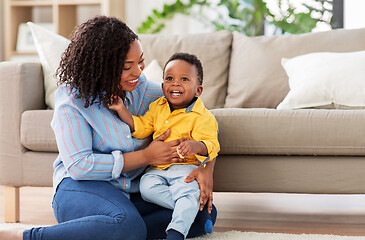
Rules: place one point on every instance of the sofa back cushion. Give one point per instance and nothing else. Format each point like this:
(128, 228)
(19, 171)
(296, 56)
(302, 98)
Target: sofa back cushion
(213, 50)
(256, 77)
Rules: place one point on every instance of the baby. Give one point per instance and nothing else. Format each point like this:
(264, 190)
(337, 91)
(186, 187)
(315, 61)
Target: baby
(182, 111)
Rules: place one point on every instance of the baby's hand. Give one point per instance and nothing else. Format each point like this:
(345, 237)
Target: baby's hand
(117, 105)
(188, 147)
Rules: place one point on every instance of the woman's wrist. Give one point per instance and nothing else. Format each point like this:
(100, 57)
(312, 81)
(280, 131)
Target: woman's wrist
(134, 160)
(146, 155)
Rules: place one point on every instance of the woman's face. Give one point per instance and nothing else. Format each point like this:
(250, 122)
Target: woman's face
(133, 67)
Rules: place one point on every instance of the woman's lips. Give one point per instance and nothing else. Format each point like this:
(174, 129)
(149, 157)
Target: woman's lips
(133, 82)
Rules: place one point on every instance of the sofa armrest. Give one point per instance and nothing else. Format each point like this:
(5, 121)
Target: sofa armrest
(21, 89)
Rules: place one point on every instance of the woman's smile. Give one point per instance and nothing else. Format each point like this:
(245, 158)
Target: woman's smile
(133, 82)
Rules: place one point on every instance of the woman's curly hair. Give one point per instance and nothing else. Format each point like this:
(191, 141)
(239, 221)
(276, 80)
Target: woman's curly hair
(93, 62)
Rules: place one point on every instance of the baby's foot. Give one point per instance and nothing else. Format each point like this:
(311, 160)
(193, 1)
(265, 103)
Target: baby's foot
(206, 220)
(174, 235)
(208, 228)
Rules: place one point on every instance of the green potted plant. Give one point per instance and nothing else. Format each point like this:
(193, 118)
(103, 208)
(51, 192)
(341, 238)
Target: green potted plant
(246, 16)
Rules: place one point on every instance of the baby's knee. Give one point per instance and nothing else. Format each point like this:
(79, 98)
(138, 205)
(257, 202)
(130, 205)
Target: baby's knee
(148, 185)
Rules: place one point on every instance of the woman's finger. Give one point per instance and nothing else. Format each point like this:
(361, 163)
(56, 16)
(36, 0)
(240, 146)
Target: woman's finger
(191, 177)
(203, 199)
(174, 143)
(163, 136)
(210, 203)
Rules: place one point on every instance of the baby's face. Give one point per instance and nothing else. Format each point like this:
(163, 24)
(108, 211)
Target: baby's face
(181, 84)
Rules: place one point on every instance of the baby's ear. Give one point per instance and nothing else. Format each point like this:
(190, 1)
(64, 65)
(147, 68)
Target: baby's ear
(199, 91)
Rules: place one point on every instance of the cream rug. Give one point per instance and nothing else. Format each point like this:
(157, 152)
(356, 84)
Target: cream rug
(236, 235)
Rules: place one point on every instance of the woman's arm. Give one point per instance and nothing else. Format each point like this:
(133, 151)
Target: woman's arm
(74, 135)
(204, 176)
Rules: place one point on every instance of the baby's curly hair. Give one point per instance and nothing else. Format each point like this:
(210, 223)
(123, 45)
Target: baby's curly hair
(189, 58)
(93, 62)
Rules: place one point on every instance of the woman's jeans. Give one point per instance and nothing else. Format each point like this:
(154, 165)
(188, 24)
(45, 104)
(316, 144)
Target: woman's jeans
(97, 210)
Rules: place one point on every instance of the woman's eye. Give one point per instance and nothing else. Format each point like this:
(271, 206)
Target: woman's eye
(141, 61)
(126, 68)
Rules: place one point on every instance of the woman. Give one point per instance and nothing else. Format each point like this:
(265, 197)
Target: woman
(96, 178)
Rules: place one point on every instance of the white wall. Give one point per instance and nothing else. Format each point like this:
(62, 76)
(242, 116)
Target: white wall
(1, 32)
(354, 16)
(138, 10)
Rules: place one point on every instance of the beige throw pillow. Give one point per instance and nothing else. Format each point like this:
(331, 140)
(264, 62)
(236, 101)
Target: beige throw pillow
(320, 79)
(50, 47)
(154, 72)
(256, 77)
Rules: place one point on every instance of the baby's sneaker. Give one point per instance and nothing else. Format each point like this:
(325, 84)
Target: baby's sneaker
(208, 226)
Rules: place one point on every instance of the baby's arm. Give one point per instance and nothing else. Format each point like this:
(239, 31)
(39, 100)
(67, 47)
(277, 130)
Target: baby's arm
(206, 145)
(123, 113)
(190, 147)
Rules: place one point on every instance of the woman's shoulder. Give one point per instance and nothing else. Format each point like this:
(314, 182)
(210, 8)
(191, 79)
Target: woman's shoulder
(65, 95)
(62, 93)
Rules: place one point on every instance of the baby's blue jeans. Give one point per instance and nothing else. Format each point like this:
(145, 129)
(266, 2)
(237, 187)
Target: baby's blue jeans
(167, 188)
(97, 210)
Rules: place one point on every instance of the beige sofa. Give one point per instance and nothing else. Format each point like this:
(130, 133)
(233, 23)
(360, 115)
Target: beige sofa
(262, 149)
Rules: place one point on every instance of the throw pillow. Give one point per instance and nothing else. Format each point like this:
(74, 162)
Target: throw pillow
(154, 71)
(324, 78)
(256, 77)
(50, 47)
(213, 50)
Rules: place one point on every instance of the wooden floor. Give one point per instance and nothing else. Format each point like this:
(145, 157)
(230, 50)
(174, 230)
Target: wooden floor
(258, 212)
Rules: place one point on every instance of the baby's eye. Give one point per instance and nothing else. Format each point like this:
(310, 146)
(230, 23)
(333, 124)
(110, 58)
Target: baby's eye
(184, 79)
(168, 79)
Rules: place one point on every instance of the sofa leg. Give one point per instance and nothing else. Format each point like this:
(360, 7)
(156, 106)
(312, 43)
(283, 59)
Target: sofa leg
(11, 207)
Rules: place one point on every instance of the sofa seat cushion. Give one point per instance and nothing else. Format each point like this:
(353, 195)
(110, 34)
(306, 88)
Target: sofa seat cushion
(291, 132)
(36, 133)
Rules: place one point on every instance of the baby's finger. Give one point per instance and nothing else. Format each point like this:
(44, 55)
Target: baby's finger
(185, 152)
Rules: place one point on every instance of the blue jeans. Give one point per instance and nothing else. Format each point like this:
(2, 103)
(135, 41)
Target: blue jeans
(97, 210)
(167, 189)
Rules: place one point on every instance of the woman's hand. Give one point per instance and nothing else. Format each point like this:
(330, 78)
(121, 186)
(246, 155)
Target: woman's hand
(158, 152)
(161, 153)
(204, 176)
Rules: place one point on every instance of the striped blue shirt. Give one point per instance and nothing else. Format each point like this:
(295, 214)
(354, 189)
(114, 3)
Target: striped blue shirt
(91, 141)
